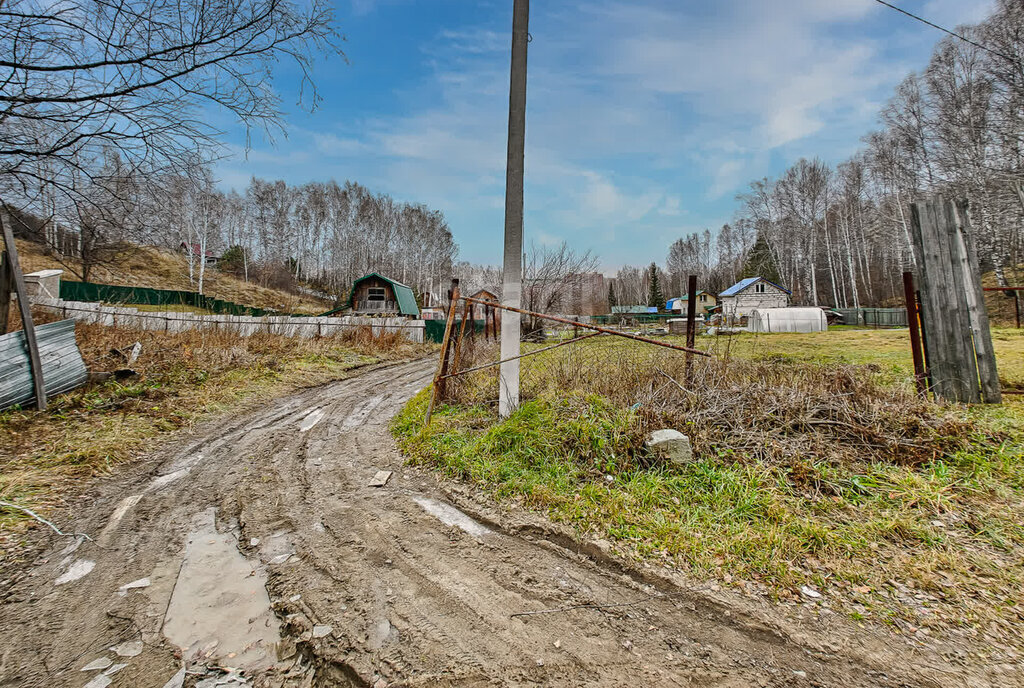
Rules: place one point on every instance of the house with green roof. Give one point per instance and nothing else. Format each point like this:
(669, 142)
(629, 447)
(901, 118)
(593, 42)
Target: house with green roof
(375, 294)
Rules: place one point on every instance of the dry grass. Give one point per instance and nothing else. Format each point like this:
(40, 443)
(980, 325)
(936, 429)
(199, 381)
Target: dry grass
(46, 457)
(773, 408)
(156, 268)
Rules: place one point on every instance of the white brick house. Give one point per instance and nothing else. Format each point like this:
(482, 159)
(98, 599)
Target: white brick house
(739, 300)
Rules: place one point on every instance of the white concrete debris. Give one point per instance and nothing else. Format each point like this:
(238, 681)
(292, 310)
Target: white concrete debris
(321, 631)
(135, 584)
(78, 569)
(671, 444)
(98, 664)
(810, 592)
(177, 680)
(450, 516)
(380, 479)
(100, 681)
(114, 669)
(130, 648)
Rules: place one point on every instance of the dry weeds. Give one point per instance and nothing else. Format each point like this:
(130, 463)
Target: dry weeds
(181, 379)
(775, 409)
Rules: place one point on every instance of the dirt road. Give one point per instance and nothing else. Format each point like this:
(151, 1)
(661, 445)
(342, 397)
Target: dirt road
(258, 544)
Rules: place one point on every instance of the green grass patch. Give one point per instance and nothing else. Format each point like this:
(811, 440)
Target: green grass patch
(904, 544)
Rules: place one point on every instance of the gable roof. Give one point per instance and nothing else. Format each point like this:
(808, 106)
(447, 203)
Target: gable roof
(488, 291)
(749, 281)
(403, 294)
(686, 297)
(195, 250)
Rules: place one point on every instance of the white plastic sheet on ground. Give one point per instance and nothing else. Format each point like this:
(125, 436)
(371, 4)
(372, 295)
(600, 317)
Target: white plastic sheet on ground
(787, 320)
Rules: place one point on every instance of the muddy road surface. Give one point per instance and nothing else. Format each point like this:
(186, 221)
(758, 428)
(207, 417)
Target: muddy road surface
(255, 552)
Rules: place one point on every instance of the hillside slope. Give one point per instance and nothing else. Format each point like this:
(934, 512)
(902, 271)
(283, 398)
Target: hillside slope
(156, 268)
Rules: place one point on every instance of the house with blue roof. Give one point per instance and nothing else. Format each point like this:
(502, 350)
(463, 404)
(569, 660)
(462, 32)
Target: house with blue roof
(750, 294)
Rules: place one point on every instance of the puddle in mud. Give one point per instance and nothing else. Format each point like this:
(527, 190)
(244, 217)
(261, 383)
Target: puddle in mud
(450, 516)
(220, 602)
(361, 413)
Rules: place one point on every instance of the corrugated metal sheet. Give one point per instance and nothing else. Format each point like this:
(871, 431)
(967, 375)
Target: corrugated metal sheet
(63, 367)
(744, 283)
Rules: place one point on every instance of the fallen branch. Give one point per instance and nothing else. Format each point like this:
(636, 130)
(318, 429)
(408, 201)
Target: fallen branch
(43, 520)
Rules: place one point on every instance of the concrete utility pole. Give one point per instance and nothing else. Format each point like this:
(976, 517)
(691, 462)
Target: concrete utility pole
(512, 278)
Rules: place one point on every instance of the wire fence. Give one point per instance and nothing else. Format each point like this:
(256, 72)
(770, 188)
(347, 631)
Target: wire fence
(757, 402)
(619, 362)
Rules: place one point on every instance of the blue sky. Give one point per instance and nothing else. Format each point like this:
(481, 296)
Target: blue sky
(644, 118)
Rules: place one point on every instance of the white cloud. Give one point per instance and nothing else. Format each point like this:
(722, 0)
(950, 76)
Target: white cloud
(639, 113)
(953, 13)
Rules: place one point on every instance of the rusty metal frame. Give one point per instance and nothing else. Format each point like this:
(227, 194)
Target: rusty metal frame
(587, 326)
(528, 353)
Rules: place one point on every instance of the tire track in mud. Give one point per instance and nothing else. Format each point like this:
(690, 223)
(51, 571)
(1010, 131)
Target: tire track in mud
(370, 588)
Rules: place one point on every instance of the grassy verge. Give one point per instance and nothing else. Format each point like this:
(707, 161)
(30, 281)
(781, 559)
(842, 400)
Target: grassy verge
(894, 510)
(149, 266)
(183, 378)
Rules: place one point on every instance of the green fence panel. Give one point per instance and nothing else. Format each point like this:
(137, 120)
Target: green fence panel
(112, 293)
(434, 329)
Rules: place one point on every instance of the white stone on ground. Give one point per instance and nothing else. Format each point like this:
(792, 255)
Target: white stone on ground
(671, 444)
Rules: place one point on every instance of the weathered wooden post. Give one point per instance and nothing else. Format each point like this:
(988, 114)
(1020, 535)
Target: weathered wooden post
(691, 325)
(467, 313)
(437, 393)
(910, 296)
(958, 342)
(25, 308)
(5, 292)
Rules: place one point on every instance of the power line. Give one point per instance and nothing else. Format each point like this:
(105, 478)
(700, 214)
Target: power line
(954, 34)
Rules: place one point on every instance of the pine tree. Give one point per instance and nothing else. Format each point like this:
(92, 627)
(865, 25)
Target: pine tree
(612, 303)
(654, 296)
(760, 263)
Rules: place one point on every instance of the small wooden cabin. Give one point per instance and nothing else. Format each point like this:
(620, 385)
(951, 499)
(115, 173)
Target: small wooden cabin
(484, 295)
(374, 294)
(750, 294)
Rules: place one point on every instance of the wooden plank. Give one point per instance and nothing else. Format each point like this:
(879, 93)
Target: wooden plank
(978, 320)
(915, 336)
(467, 311)
(442, 365)
(691, 325)
(964, 360)
(923, 231)
(5, 292)
(26, 316)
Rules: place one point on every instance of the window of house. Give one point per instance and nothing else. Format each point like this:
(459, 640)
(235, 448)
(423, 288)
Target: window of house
(376, 294)
(759, 287)
(703, 298)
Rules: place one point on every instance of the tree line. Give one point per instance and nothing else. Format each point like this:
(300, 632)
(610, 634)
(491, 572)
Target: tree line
(840, 235)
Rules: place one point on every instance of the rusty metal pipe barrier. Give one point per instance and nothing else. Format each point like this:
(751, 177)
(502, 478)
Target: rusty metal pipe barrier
(595, 328)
